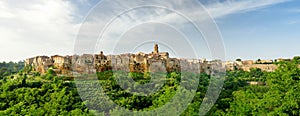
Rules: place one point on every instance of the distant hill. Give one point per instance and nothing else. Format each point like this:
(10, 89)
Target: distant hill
(7, 68)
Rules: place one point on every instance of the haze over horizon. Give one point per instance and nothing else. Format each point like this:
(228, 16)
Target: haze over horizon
(251, 29)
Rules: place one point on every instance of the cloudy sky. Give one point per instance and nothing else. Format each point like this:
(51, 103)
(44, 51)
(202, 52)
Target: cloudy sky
(251, 29)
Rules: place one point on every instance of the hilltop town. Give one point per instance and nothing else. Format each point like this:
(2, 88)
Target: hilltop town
(140, 62)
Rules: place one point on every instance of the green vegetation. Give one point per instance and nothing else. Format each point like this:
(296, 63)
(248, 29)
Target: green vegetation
(29, 93)
(280, 96)
(9, 68)
(38, 95)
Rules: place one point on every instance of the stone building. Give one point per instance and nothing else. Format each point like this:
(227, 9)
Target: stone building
(248, 62)
(101, 62)
(84, 64)
(139, 62)
(62, 64)
(152, 62)
(39, 64)
(263, 67)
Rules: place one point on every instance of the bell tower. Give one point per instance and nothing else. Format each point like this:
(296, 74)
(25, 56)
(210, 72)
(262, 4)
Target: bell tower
(156, 49)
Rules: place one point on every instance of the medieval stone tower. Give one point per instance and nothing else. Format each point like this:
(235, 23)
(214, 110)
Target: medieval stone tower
(156, 49)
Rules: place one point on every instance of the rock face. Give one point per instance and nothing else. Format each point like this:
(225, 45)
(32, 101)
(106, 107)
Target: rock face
(61, 65)
(39, 63)
(87, 63)
(141, 62)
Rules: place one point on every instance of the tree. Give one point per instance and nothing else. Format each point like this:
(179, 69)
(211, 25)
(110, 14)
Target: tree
(258, 61)
(297, 59)
(239, 60)
(24, 80)
(284, 94)
(281, 96)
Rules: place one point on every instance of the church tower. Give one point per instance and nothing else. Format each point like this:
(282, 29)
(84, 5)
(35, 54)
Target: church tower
(156, 49)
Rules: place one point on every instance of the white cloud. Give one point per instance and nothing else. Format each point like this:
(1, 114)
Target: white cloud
(36, 27)
(220, 9)
(294, 10)
(293, 22)
(130, 19)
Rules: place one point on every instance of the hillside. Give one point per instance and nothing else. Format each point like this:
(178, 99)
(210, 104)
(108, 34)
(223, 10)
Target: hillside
(28, 93)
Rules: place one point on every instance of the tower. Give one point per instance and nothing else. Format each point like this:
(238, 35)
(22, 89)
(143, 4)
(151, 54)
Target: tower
(156, 49)
(101, 53)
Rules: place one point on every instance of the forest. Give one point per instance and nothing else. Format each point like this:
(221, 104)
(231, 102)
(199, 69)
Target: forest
(24, 92)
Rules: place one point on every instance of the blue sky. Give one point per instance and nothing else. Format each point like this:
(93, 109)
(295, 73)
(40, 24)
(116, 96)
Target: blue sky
(270, 32)
(251, 29)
